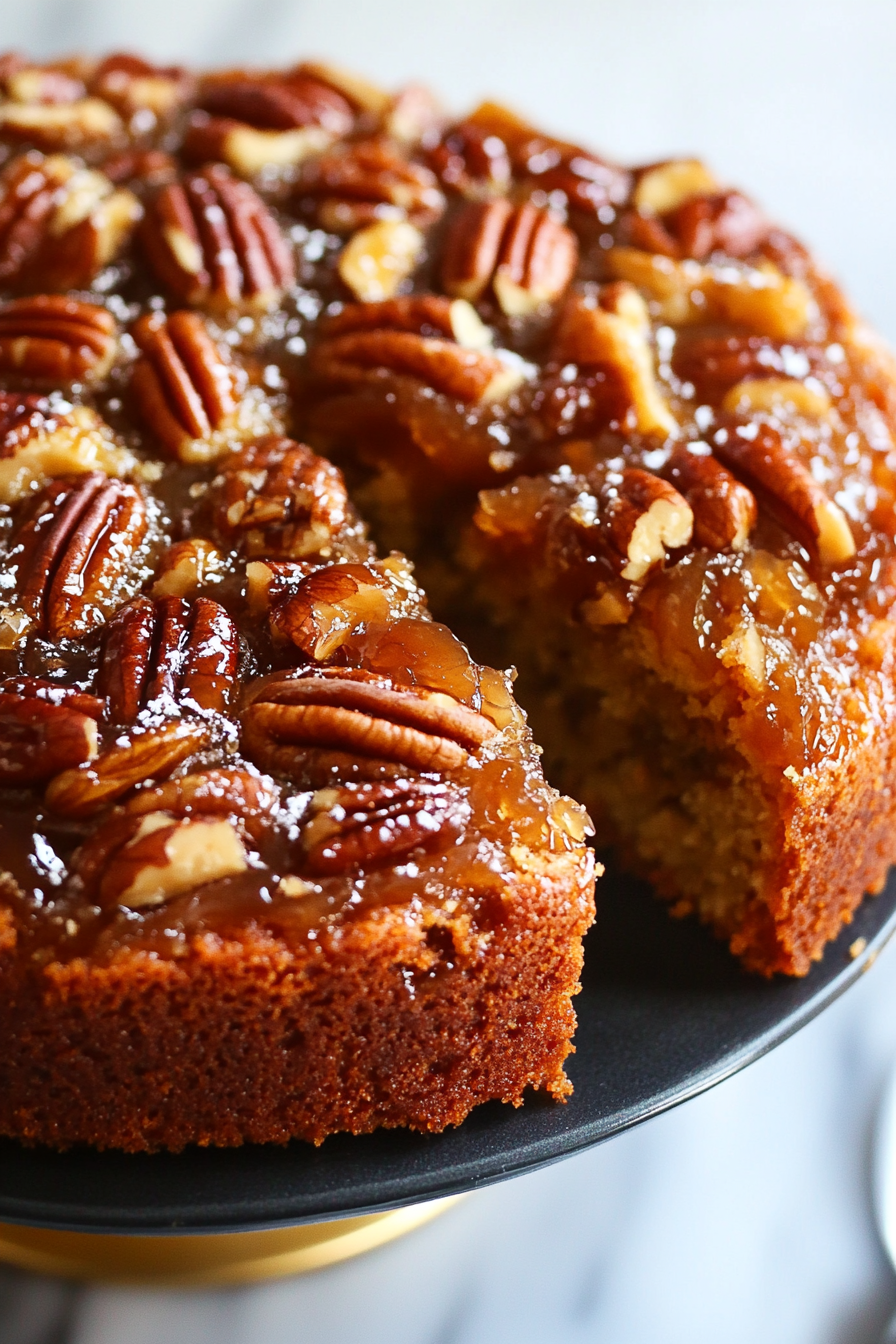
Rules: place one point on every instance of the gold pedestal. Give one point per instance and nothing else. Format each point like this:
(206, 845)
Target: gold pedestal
(207, 1261)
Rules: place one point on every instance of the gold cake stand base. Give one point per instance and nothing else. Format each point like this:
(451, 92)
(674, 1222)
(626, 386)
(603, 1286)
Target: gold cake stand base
(218, 1260)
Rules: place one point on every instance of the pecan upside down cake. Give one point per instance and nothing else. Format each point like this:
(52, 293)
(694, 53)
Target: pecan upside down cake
(281, 857)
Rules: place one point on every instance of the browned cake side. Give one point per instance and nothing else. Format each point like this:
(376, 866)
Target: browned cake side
(280, 856)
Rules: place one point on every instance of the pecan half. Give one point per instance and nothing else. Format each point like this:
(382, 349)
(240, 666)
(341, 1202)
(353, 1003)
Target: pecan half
(724, 509)
(471, 160)
(56, 82)
(715, 364)
(259, 123)
(44, 728)
(635, 518)
(278, 500)
(757, 454)
(168, 653)
(59, 223)
(51, 339)
(214, 243)
(612, 330)
(553, 167)
(365, 826)
(144, 754)
(312, 726)
(38, 443)
(134, 86)
(457, 371)
(186, 390)
(367, 180)
(379, 258)
(424, 314)
(72, 554)
(523, 253)
(75, 124)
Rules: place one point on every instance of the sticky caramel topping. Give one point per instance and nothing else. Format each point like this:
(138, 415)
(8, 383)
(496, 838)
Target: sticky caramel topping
(675, 423)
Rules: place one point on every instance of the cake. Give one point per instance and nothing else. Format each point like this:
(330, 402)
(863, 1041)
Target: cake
(279, 858)
(308, 390)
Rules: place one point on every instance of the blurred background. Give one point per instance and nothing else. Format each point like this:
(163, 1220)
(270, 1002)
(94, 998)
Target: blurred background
(745, 1215)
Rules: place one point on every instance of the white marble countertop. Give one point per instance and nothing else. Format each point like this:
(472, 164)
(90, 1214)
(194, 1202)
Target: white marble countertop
(744, 1215)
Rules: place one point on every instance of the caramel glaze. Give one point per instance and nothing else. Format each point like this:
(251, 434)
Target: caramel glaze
(556, 426)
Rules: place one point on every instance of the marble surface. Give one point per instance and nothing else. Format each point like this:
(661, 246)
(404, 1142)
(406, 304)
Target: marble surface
(744, 1215)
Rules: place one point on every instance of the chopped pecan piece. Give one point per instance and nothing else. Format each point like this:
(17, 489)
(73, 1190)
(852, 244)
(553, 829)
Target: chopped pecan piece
(662, 187)
(368, 180)
(636, 518)
(313, 725)
(758, 455)
(72, 554)
(724, 510)
(186, 566)
(213, 242)
(175, 837)
(328, 606)
(762, 299)
(723, 222)
(51, 339)
(778, 396)
(364, 826)
(458, 372)
(358, 92)
(60, 125)
(143, 754)
(278, 500)
(612, 330)
(167, 857)
(187, 392)
(38, 443)
(166, 654)
(523, 253)
(59, 223)
(44, 728)
(57, 82)
(378, 259)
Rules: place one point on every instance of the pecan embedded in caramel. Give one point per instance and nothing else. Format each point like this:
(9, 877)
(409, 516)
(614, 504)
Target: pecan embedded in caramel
(637, 518)
(377, 261)
(214, 243)
(59, 223)
(612, 330)
(458, 372)
(167, 654)
(187, 391)
(364, 826)
(44, 729)
(758, 455)
(306, 726)
(724, 509)
(368, 180)
(522, 252)
(144, 754)
(278, 500)
(72, 554)
(56, 340)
